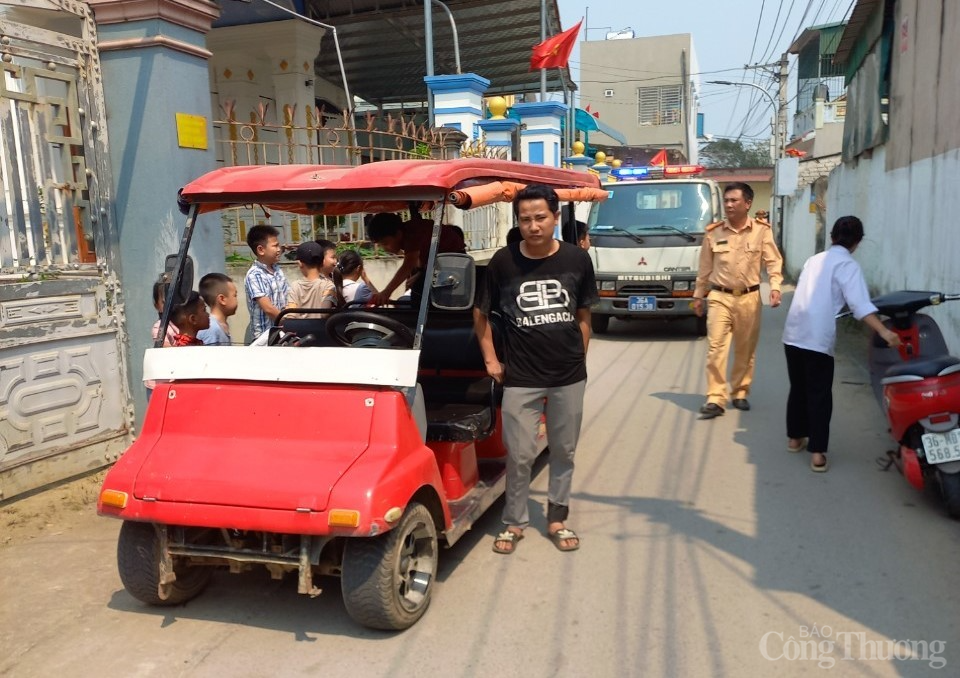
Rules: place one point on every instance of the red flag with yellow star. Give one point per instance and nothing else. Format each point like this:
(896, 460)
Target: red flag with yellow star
(554, 52)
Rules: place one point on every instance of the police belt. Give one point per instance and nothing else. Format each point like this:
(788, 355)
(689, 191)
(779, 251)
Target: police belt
(736, 293)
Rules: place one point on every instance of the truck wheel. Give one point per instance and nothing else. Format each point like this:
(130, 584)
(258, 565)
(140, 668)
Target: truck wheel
(138, 560)
(701, 325)
(599, 323)
(387, 580)
(950, 489)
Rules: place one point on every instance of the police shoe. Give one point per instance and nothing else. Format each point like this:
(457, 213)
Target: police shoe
(710, 410)
(741, 404)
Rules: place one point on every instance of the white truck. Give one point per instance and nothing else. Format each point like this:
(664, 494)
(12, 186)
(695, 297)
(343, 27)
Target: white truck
(645, 243)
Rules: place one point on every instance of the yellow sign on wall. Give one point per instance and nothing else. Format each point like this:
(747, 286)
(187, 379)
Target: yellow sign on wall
(191, 131)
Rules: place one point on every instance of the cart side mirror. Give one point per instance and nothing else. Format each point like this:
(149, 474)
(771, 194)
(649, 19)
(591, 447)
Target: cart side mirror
(186, 282)
(454, 282)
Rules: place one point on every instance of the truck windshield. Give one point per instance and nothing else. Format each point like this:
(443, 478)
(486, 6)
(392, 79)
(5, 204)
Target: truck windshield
(649, 206)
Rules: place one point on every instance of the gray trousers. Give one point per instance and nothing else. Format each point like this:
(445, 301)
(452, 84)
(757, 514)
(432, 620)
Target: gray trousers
(521, 412)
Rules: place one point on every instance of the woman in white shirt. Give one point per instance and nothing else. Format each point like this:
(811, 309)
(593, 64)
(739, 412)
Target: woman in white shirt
(356, 285)
(829, 281)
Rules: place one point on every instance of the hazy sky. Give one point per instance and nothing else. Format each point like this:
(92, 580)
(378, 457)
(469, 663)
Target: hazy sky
(725, 37)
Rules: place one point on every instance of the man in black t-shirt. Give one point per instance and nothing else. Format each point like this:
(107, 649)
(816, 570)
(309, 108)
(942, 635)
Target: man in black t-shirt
(543, 289)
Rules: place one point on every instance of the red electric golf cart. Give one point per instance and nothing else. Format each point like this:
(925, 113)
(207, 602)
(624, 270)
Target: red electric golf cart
(354, 442)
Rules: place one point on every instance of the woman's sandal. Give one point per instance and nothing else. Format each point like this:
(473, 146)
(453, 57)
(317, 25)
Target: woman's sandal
(507, 537)
(798, 448)
(562, 535)
(819, 468)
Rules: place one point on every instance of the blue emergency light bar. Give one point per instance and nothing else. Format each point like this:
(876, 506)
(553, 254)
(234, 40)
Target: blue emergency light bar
(656, 171)
(638, 172)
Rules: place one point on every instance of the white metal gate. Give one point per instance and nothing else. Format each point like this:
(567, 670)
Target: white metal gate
(64, 406)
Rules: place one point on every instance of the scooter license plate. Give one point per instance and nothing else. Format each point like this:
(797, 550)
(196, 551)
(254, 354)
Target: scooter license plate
(636, 303)
(942, 447)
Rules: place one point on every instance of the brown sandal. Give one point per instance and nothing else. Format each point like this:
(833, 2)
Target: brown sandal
(507, 537)
(562, 535)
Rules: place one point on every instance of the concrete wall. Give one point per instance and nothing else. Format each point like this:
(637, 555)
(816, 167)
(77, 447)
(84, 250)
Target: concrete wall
(805, 219)
(924, 97)
(910, 217)
(799, 233)
(144, 89)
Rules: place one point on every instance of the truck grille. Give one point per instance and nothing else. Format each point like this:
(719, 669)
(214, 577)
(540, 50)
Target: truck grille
(645, 289)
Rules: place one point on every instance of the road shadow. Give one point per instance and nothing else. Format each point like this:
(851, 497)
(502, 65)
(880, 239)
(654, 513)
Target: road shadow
(685, 401)
(849, 541)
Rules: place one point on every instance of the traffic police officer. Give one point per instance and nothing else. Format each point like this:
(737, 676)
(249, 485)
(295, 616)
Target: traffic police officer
(729, 280)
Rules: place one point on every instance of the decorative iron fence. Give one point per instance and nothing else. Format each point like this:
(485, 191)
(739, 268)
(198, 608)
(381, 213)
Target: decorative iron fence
(320, 137)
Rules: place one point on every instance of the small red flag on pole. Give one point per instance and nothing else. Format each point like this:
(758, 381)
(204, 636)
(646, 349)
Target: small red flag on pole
(554, 52)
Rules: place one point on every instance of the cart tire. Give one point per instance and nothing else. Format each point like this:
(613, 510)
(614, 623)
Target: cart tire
(599, 323)
(701, 325)
(138, 560)
(950, 489)
(387, 580)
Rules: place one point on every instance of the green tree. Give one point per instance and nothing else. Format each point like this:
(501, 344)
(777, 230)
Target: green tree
(736, 153)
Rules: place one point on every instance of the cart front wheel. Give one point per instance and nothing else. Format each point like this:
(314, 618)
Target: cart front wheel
(387, 580)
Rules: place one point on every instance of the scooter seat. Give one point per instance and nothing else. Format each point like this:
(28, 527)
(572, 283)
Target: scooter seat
(915, 370)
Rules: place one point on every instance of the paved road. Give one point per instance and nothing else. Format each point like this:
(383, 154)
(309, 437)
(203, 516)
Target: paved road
(700, 540)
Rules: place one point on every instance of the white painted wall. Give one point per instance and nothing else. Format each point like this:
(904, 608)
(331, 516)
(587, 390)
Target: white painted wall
(911, 218)
(799, 233)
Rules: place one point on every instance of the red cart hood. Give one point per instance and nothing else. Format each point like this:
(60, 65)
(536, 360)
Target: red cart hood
(255, 445)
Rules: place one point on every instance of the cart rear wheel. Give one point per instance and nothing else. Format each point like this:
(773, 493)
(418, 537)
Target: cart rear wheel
(138, 560)
(387, 580)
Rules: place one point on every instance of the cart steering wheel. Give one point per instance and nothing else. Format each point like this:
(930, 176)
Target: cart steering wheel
(363, 329)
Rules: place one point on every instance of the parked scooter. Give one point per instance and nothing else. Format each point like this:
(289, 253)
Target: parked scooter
(918, 388)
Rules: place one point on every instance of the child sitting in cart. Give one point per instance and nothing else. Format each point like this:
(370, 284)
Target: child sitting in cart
(357, 287)
(316, 260)
(190, 317)
(219, 293)
(159, 296)
(265, 284)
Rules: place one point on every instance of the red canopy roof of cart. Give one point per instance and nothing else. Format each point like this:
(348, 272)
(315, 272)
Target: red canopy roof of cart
(313, 186)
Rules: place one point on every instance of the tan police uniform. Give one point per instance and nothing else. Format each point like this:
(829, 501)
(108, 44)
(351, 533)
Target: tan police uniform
(729, 279)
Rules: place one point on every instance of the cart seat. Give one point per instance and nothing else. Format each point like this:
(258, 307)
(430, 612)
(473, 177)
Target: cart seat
(460, 409)
(922, 369)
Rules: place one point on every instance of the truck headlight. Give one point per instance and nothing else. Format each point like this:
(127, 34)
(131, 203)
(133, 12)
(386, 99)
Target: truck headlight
(681, 285)
(608, 285)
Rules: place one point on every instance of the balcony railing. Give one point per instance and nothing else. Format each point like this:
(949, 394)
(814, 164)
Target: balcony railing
(819, 114)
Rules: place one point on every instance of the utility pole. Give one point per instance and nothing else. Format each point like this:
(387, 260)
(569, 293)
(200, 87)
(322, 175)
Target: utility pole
(781, 140)
(543, 36)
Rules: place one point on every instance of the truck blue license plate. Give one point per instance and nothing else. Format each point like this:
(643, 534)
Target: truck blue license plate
(642, 303)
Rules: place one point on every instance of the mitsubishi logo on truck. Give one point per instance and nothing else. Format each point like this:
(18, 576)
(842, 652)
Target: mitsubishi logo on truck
(642, 262)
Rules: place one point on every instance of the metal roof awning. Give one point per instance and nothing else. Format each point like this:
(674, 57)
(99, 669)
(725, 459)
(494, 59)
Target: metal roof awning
(384, 54)
(859, 18)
